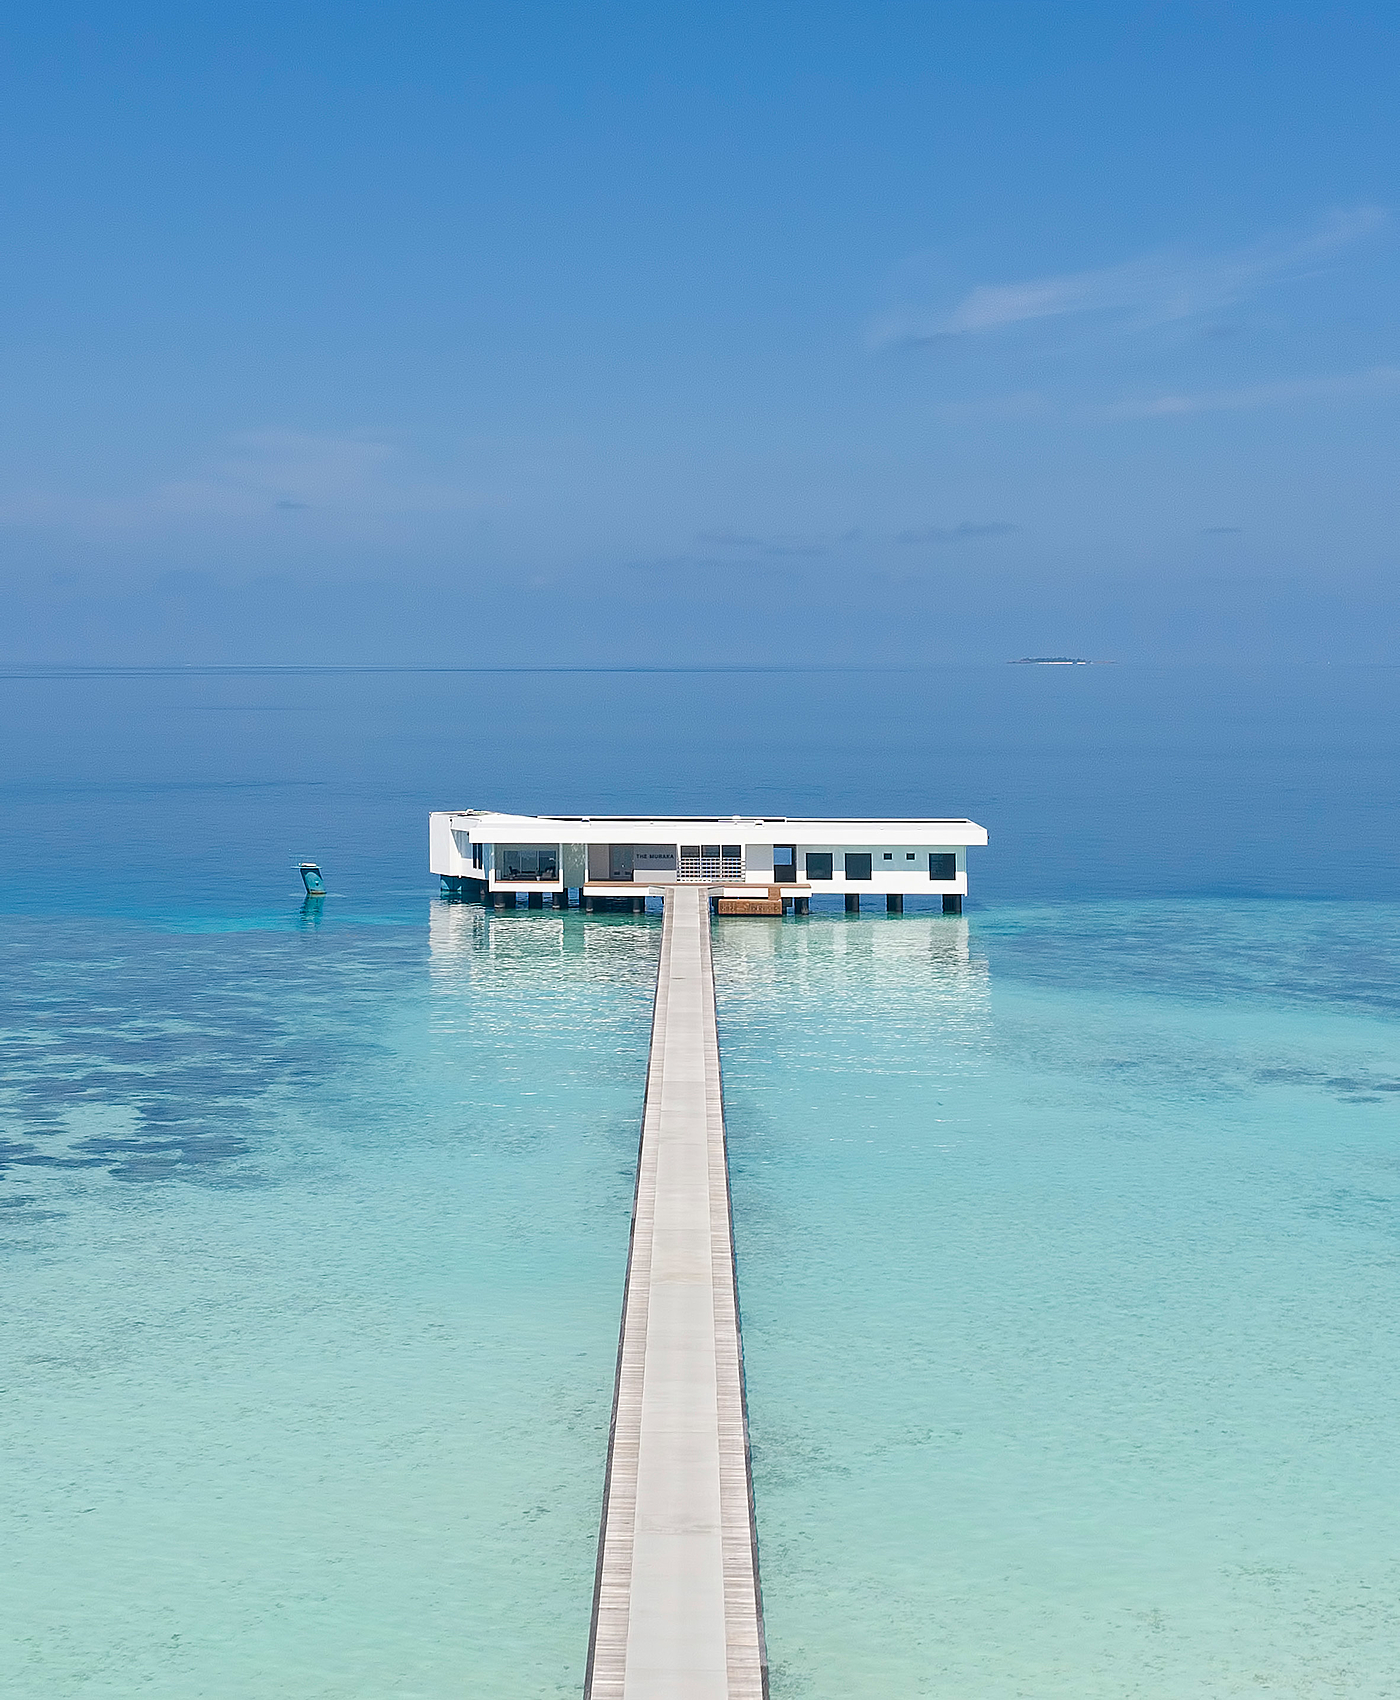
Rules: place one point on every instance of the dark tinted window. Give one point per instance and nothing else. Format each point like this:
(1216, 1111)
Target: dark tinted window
(942, 865)
(709, 849)
(731, 852)
(785, 856)
(691, 852)
(527, 861)
(857, 864)
(818, 864)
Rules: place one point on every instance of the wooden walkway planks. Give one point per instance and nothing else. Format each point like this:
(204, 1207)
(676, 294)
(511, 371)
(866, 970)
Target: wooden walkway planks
(677, 1610)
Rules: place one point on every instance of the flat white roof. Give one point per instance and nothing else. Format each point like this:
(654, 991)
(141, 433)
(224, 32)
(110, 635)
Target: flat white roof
(489, 827)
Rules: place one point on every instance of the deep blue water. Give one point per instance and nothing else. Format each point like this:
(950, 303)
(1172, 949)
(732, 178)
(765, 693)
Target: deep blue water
(1069, 1233)
(158, 794)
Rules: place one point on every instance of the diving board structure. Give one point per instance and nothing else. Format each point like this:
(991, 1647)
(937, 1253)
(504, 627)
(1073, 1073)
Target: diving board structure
(677, 1611)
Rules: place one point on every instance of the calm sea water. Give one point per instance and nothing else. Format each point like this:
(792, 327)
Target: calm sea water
(1069, 1232)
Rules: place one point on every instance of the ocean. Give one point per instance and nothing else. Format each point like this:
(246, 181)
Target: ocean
(1068, 1231)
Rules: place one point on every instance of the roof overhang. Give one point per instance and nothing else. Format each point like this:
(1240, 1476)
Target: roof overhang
(489, 827)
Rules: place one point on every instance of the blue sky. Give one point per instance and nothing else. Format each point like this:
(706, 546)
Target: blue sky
(721, 333)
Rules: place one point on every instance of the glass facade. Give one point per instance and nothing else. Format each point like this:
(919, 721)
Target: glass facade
(527, 861)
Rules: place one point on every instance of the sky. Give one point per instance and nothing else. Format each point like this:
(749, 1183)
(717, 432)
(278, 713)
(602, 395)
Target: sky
(800, 334)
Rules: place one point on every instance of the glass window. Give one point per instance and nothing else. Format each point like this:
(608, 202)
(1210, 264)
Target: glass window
(527, 862)
(942, 865)
(889, 855)
(819, 864)
(785, 860)
(857, 864)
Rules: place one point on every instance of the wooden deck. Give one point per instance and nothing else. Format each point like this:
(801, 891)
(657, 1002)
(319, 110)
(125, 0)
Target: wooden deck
(677, 1610)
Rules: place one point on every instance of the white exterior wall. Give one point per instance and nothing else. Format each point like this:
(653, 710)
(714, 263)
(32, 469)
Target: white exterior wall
(584, 855)
(758, 863)
(442, 852)
(900, 875)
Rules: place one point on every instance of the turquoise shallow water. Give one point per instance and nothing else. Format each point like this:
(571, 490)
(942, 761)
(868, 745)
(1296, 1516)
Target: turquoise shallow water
(1069, 1247)
(312, 1252)
(1070, 1255)
(1068, 1232)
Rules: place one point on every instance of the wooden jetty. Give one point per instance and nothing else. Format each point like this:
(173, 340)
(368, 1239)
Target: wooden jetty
(677, 1611)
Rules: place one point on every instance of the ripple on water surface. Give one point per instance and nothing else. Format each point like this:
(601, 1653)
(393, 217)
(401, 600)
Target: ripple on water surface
(1068, 1255)
(1069, 1245)
(313, 1249)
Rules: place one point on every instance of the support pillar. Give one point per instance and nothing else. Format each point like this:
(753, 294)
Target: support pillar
(561, 898)
(853, 903)
(894, 903)
(952, 903)
(587, 905)
(534, 900)
(799, 905)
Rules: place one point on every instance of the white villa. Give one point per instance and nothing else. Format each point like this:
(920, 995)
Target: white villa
(752, 864)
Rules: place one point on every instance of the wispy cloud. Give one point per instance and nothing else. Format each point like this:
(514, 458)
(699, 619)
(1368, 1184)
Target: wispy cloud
(252, 476)
(1377, 381)
(964, 533)
(284, 469)
(1151, 290)
(774, 546)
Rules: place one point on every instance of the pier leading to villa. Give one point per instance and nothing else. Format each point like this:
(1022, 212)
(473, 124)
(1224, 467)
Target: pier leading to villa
(677, 1608)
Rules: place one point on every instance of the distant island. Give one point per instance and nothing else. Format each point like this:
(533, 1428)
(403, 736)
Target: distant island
(1051, 661)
